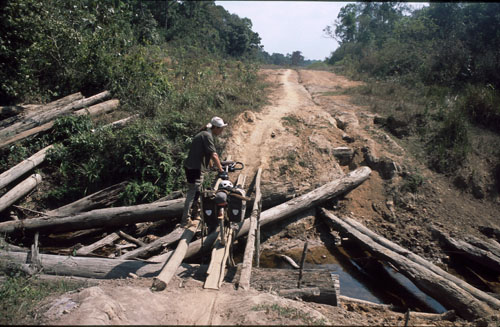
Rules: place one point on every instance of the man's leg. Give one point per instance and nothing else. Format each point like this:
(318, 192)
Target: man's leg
(195, 179)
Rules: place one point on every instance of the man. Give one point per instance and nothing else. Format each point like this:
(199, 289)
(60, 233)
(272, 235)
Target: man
(202, 151)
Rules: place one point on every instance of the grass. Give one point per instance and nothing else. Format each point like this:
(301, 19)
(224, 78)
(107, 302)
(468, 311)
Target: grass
(20, 296)
(289, 313)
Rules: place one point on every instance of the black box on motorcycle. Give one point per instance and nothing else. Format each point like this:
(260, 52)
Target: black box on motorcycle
(209, 210)
(234, 209)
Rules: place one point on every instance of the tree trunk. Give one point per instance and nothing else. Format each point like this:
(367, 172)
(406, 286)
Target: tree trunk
(23, 167)
(480, 295)
(28, 133)
(89, 267)
(442, 289)
(287, 209)
(19, 191)
(101, 199)
(160, 282)
(109, 217)
(9, 111)
(41, 117)
(250, 246)
(480, 256)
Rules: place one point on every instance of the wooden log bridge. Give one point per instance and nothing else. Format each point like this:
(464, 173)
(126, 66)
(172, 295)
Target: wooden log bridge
(288, 209)
(442, 289)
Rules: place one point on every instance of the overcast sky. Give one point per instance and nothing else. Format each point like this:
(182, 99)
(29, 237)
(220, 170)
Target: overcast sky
(288, 26)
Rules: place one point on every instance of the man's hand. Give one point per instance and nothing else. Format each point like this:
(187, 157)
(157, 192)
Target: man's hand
(223, 175)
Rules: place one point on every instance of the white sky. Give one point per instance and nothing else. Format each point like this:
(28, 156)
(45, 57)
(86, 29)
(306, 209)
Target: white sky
(288, 26)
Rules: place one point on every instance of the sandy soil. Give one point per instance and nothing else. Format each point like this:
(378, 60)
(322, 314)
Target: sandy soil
(294, 140)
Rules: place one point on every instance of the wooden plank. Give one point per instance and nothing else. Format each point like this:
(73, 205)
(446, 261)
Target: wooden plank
(175, 260)
(246, 271)
(217, 268)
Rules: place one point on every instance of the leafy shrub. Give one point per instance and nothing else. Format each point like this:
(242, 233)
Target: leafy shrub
(449, 146)
(482, 105)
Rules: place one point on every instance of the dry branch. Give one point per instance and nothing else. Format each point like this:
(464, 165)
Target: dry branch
(23, 167)
(19, 191)
(442, 289)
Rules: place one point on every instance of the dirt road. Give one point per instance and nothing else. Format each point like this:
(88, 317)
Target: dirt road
(307, 135)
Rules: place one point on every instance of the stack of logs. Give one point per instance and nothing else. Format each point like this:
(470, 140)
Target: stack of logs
(21, 122)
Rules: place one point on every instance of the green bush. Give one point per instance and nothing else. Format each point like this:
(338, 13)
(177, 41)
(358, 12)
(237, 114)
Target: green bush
(449, 146)
(482, 105)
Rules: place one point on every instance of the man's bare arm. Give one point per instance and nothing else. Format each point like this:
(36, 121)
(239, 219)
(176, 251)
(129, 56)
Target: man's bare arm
(215, 159)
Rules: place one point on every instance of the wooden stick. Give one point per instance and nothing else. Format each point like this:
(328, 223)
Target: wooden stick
(246, 271)
(302, 261)
(161, 281)
(131, 239)
(23, 167)
(290, 261)
(217, 267)
(18, 192)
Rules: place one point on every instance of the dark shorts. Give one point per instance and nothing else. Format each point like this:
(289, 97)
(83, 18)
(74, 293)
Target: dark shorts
(192, 175)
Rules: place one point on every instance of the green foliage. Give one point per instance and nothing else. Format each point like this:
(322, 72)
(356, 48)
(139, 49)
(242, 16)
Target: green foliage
(482, 105)
(449, 146)
(412, 182)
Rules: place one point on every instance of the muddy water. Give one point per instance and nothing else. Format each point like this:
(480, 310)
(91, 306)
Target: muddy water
(361, 276)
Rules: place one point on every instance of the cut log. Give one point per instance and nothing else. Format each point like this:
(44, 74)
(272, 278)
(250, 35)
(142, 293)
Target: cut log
(480, 256)
(101, 199)
(89, 267)
(480, 295)
(100, 108)
(109, 239)
(246, 270)
(161, 281)
(23, 167)
(25, 134)
(110, 217)
(442, 289)
(490, 245)
(164, 241)
(19, 191)
(287, 209)
(42, 117)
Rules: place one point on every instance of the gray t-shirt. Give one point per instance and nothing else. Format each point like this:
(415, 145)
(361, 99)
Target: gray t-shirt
(201, 151)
